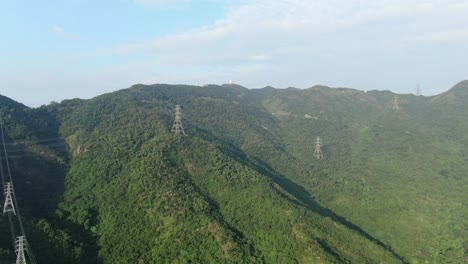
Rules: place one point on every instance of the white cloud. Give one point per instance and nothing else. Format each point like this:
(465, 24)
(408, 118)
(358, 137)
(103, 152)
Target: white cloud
(303, 42)
(260, 57)
(267, 25)
(378, 44)
(59, 31)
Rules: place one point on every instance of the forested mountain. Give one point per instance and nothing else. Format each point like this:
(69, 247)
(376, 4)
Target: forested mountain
(105, 181)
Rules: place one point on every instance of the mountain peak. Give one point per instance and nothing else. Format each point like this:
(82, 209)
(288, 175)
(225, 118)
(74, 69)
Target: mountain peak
(461, 87)
(457, 94)
(8, 102)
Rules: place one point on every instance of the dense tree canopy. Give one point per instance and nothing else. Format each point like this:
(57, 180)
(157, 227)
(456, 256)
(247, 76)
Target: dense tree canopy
(104, 180)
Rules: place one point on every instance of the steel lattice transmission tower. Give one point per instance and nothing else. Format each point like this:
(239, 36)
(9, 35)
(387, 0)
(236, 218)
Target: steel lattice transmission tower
(9, 206)
(318, 151)
(396, 103)
(21, 246)
(177, 127)
(418, 90)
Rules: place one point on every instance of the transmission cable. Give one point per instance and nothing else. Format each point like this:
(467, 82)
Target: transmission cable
(18, 213)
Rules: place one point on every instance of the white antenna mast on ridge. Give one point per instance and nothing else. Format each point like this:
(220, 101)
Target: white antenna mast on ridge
(418, 90)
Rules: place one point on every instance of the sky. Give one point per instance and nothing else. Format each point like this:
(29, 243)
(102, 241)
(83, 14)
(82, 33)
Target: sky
(53, 50)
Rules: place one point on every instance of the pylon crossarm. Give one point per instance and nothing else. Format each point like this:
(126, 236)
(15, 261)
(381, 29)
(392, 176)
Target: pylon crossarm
(9, 205)
(20, 249)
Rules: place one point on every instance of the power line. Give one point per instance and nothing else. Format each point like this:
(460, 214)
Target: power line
(5, 151)
(18, 215)
(21, 240)
(10, 218)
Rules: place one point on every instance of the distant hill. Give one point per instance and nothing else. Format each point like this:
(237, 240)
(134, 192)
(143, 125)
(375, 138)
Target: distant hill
(105, 181)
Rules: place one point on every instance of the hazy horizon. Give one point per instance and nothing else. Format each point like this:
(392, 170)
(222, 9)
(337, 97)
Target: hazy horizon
(61, 50)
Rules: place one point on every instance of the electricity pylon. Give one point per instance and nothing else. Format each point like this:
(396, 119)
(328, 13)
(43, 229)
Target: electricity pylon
(20, 248)
(9, 206)
(177, 127)
(318, 152)
(418, 90)
(396, 103)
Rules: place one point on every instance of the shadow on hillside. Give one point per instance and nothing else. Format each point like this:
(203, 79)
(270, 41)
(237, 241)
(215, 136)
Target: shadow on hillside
(303, 197)
(76, 246)
(39, 180)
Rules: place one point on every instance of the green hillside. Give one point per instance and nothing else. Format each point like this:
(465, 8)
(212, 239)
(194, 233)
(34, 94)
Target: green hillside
(38, 158)
(400, 175)
(105, 181)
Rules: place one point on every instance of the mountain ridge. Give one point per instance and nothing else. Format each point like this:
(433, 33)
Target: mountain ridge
(236, 135)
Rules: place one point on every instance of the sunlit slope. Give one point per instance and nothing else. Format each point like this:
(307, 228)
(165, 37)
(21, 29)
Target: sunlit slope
(400, 174)
(105, 181)
(200, 197)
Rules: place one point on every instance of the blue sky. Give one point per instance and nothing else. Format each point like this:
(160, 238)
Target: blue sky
(54, 50)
